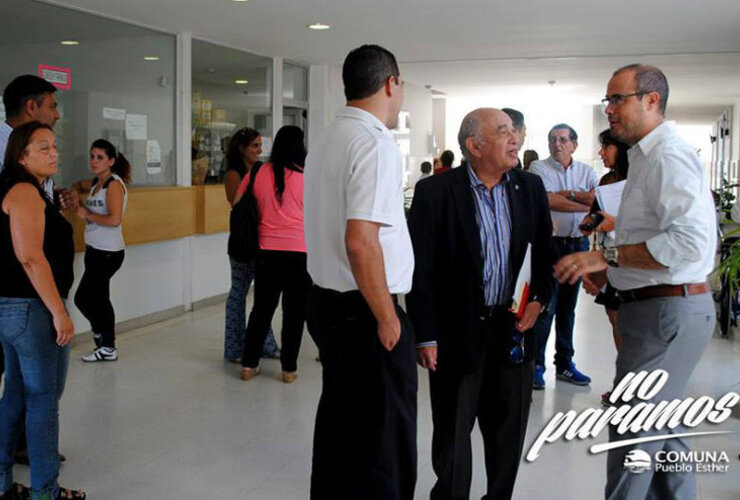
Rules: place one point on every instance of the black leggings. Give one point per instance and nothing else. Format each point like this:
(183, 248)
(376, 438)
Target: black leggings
(93, 294)
(278, 272)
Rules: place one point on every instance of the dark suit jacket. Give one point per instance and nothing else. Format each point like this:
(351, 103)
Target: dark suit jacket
(447, 299)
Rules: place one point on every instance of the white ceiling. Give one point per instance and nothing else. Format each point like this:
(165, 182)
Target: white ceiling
(465, 47)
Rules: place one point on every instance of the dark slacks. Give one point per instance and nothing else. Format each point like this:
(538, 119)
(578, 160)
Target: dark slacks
(498, 394)
(93, 294)
(365, 435)
(277, 273)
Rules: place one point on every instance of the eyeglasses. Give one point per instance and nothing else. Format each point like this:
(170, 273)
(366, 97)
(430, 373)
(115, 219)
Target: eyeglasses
(617, 99)
(561, 140)
(516, 353)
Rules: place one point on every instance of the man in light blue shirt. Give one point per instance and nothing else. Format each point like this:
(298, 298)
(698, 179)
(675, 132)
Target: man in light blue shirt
(570, 189)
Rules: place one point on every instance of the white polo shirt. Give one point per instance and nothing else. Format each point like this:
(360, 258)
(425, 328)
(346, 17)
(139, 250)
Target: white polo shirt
(355, 172)
(578, 176)
(666, 204)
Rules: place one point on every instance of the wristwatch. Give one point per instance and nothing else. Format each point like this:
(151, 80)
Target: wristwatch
(572, 195)
(612, 256)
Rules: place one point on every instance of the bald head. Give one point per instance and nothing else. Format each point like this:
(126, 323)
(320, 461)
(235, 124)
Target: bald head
(648, 79)
(487, 139)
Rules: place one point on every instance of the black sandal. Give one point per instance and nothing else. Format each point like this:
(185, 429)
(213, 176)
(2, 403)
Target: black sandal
(67, 494)
(17, 492)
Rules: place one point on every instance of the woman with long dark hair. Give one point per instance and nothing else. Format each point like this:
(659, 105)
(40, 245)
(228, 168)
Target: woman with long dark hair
(242, 155)
(103, 211)
(281, 261)
(36, 265)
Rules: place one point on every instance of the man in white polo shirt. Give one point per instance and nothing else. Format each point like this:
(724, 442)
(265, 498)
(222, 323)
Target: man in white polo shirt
(360, 257)
(570, 189)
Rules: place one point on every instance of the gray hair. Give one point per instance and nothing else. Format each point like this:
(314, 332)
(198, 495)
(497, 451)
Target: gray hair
(649, 79)
(564, 126)
(470, 127)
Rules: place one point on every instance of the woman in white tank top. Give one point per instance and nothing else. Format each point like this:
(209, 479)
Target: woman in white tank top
(103, 211)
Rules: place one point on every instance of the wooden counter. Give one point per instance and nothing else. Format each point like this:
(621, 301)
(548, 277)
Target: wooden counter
(211, 209)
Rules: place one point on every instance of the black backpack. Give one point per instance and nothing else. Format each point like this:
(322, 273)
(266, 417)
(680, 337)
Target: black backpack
(243, 224)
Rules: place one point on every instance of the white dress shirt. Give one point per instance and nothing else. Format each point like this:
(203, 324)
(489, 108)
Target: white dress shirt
(355, 172)
(578, 176)
(666, 204)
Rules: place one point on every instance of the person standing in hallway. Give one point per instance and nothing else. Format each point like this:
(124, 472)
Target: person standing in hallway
(27, 98)
(445, 159)
(520, 130)
(245, 148)
(570, 186)
(277, 188)
(360, 258)
(470, 231)
(666, 242)
(103, 210)
(36, 263)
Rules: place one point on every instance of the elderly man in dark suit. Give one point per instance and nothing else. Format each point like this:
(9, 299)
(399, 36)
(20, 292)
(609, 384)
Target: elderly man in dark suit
(470, 229)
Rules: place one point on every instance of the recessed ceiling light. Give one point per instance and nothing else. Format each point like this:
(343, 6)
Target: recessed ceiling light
(318, 26)
(151, 58)
(239, 0)
(69, 42)
(241, 82)
(211, 70)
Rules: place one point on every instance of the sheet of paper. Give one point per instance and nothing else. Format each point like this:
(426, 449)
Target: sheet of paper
(153, 158)
(609, 198)
(136, 127)
(114, 114)
(521, 289)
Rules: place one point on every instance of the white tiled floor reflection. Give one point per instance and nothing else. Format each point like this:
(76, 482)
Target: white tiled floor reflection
(170, 420)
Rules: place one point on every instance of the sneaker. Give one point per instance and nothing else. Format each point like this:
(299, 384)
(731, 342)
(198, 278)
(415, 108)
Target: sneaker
(539, 377)
(605, 402)
(101, 354)
(572, 375)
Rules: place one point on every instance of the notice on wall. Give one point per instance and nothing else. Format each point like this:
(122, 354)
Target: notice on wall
(266, 146)
(153, 158)
(136, 127)
(61, 78)
(114, 114)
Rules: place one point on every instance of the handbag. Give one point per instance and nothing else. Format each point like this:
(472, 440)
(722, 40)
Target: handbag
(243, 224)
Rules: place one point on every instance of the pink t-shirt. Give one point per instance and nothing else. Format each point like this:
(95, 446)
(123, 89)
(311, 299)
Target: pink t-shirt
(281, 225)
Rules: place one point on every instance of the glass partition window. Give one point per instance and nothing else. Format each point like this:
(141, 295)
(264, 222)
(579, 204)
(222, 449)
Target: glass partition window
(116, 82)
(231, 90)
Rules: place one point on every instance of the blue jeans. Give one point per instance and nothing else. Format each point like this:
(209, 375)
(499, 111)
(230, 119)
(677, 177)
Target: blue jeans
(35, 373)
(562, 307)
(242, 275)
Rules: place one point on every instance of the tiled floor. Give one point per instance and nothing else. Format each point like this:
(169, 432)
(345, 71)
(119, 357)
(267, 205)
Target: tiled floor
(170, 420)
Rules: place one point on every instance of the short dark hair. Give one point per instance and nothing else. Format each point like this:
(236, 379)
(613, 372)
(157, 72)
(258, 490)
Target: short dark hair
(366, 70)
(649, 79)
(517, 118)
(564, 126)
(622, 167)
(426, 167)
(447, 157)
(23, 88)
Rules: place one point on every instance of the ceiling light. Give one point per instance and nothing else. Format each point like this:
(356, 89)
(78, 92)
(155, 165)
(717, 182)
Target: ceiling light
(69, 42)
(241, 82)
(151, 58)
(318, 26)
(239, 0)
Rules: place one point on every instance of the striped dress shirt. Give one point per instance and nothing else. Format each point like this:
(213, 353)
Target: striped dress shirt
(493, 216)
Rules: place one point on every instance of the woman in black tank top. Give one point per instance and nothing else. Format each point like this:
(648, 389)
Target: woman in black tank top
(36, 258)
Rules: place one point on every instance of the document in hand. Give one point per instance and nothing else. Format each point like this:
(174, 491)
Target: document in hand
(609, 198)
(521, 290)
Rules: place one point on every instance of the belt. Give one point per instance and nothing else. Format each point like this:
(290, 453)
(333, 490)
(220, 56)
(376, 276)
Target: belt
(651, 292)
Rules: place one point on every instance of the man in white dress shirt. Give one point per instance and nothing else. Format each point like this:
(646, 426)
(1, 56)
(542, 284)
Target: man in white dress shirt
(666, 239)
(360, 257)
(570, 189)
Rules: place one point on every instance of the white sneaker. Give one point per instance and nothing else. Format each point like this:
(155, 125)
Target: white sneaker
(101, 354)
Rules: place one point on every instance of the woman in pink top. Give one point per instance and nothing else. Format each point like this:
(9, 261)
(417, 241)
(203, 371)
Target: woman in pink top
(281, 262)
